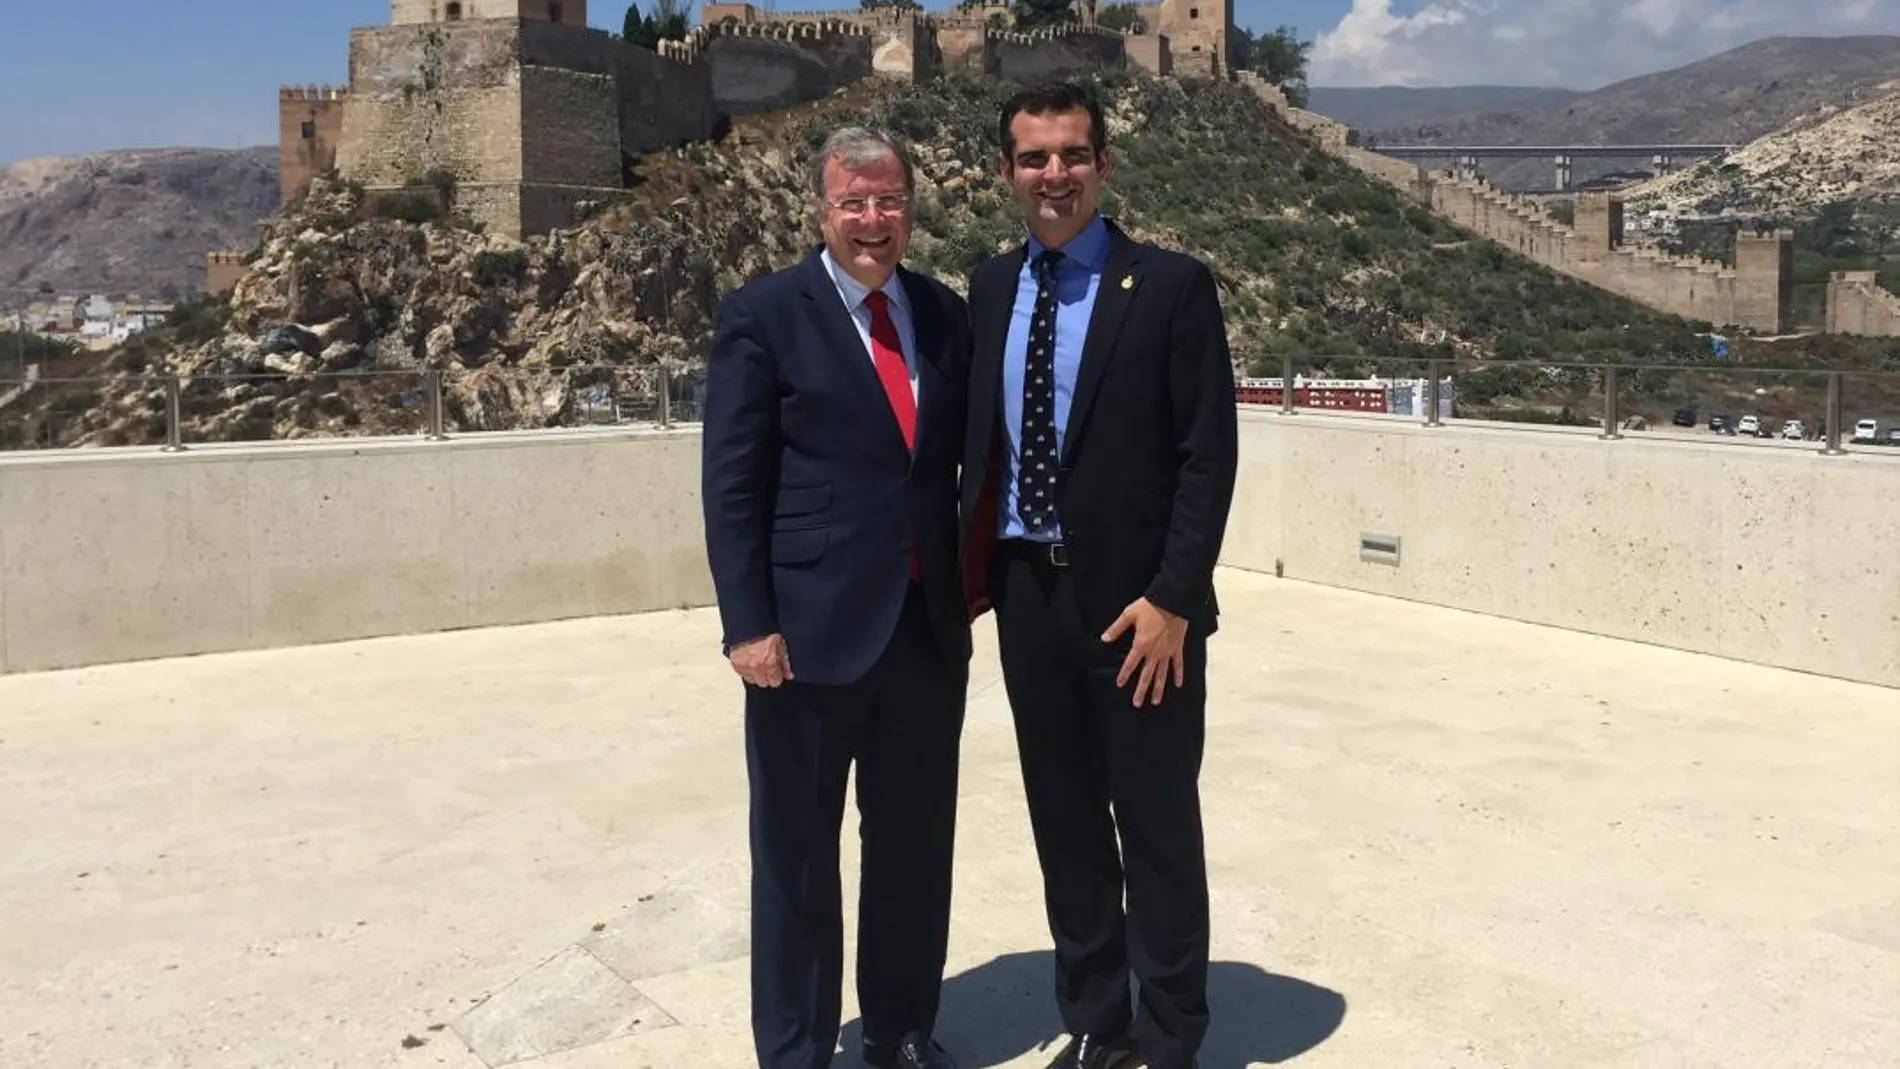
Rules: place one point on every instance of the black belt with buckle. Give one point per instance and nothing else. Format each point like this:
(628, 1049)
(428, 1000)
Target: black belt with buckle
(1054, 554)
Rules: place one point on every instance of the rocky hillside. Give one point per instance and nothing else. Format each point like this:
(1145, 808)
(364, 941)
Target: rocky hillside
(134, 221)
(1314, 259)
(1851, 154)
(1730, 98)
(1393, 107)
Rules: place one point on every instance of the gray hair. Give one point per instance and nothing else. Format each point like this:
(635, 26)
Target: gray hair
(855, 147)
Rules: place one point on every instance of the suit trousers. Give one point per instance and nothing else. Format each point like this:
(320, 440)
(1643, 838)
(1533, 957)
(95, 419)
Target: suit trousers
(902, 724)
(1114, 803)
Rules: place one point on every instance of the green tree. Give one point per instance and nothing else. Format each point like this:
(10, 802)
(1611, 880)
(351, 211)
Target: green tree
(1279, 57)
(637, 30)
(1118, 17)
(1032, 14)
(667, 23)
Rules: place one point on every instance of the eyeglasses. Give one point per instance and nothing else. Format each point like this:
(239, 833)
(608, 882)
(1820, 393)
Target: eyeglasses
(887, 204)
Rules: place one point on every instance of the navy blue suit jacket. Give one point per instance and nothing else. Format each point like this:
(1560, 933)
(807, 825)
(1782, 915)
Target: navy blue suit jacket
(811, 498)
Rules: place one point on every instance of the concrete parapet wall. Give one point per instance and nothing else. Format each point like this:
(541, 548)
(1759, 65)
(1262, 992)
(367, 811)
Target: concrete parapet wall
(122, 554)
(127, 554)
(1638, 540)
(1856, 304)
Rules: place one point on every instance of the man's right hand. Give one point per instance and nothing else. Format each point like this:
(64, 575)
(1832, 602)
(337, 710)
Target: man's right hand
(762, 662)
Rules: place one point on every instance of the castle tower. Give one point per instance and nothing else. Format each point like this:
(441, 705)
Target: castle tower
(1764, 280)
(517, 115)
(309, 127)
(1199, 33)
(412, 12)
(223, 268)
(1599, 225)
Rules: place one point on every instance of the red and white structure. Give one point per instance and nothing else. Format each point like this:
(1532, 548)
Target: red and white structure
(1398, 396)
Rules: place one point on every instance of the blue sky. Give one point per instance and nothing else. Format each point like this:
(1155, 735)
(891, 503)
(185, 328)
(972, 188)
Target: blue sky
(89, 75)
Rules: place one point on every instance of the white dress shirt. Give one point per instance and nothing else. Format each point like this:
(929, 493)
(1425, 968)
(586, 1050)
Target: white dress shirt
(852, 293)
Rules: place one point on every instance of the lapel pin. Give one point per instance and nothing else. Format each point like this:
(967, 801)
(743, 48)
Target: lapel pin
(1128, 282)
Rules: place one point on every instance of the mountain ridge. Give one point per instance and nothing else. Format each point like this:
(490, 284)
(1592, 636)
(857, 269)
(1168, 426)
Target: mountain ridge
(131, 220)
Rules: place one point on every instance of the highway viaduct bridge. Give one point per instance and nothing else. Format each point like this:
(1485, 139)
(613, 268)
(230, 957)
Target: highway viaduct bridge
(1465, 157)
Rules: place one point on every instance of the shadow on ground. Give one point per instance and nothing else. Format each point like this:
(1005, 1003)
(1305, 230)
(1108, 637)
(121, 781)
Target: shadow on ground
(1004, 1009)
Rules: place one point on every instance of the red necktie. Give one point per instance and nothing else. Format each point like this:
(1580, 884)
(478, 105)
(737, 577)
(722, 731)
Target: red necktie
(892, 372)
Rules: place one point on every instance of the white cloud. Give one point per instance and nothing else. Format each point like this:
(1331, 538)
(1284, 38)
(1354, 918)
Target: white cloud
(1579, 44)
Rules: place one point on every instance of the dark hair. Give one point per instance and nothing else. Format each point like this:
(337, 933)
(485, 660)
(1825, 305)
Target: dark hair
(1048, 97)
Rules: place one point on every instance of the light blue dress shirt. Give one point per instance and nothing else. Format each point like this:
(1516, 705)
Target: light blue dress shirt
(1078, 277)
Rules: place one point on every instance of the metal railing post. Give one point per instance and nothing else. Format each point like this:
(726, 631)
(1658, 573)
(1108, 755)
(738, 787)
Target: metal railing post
(174, 419)
(666, 395)
(1286, 385)
(435, 406)
(1831, 425)
(1612, 414)
(1431, 395)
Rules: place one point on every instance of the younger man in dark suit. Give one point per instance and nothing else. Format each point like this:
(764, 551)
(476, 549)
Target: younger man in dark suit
(1098, 471)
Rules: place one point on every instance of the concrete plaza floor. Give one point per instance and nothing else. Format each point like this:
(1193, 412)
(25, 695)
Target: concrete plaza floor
(1435, 840)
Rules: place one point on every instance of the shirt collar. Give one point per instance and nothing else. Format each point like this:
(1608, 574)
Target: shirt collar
(854, 292)
(1088, 248)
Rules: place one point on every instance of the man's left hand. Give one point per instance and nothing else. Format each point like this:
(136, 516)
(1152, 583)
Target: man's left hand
(1160, 637)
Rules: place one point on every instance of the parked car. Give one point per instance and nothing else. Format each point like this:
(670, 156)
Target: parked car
(1721, 423)
(1750, 424)
(1684, 417)
(1866, 430)
(1794, 430)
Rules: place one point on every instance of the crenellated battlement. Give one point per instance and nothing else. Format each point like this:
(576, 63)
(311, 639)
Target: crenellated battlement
(1767, 237)
(1050, 33)
(312, 94)
(786, 30)
(814, 15)
(222, 258)
(687, 51)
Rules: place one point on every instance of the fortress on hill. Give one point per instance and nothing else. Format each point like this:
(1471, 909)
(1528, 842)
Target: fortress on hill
(534, 115)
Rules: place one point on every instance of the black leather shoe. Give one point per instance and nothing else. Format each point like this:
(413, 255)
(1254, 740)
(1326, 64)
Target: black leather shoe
(1094, 1052)
(914, 1051)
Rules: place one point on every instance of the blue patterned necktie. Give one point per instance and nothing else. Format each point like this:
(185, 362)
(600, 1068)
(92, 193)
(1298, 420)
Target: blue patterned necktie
(1036, 476)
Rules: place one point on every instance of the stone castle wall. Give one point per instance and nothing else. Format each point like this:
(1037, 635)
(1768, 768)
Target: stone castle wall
(410, 12)
(662, 98)
(529, 117)
(1856, 304)
(1058, 52)
(960, 40)
(1198, 35)
(904, 47)
(433, 97)
(768, 66)
(222, 271)
(1756, 294)
(309, 128)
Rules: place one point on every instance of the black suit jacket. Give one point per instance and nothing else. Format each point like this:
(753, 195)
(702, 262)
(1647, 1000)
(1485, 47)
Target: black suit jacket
(811, 499)
(1149, 453)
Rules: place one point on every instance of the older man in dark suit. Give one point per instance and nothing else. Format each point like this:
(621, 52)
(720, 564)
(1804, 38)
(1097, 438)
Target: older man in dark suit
(834, 409)
(1099, 468)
